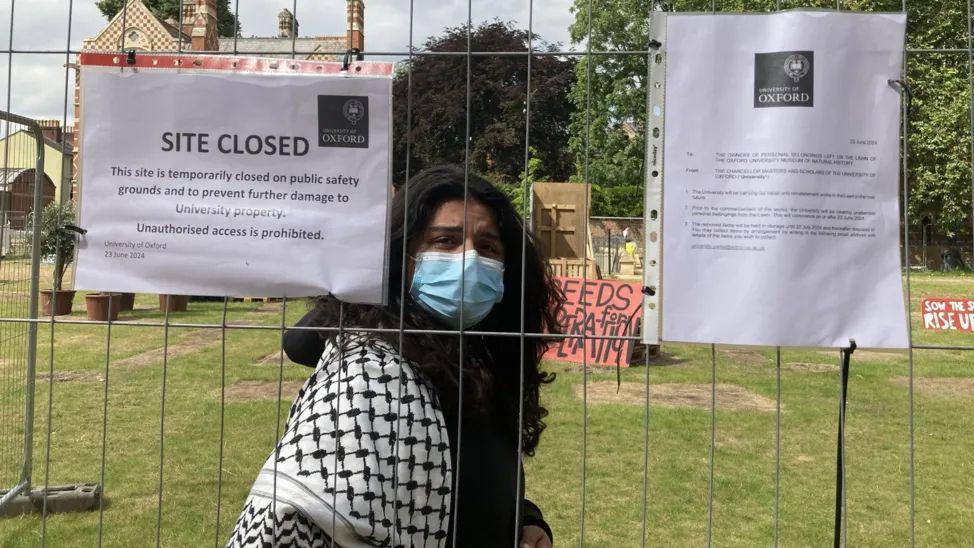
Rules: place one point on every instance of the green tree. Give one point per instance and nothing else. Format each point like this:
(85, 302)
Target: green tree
(608, 123)
(516, 191)
(166, 9)
(435, 129)
(939, 140)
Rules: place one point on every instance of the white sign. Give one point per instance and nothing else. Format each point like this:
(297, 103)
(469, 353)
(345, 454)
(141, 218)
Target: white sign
(215, 181)
(781, 170)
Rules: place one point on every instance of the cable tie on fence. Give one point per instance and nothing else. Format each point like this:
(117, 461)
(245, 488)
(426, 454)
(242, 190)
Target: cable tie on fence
(655, 44)
(347, 61)
(130, 58)
(903, 87)
(649, 291)
(75, 228)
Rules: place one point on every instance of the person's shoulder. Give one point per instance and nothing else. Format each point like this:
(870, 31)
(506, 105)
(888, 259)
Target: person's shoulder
(362, 356)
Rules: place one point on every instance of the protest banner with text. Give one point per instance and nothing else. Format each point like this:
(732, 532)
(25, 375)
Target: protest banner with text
(948, 314)
(597, 308)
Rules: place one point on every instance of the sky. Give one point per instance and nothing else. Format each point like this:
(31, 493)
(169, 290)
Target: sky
(33, 84)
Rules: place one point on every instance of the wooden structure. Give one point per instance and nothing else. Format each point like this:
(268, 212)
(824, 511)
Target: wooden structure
(17, 195)
(559, 217)
(575, 268)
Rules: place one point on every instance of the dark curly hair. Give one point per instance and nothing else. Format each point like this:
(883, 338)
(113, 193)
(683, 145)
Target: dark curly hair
(491, 363)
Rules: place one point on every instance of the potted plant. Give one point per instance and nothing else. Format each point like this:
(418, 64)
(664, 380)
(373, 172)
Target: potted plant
(175, 303)
(128, 301)
(103, 306)
(59, 242)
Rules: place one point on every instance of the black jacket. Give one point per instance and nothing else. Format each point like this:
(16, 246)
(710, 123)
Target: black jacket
(485, 476)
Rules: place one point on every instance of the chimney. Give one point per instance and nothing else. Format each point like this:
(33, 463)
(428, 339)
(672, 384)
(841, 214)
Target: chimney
(205, 36)
(188, 16)
(287, 25)
(356, 24)
(51, 129)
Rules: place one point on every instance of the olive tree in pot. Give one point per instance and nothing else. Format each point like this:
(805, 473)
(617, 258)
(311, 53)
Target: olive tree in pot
(57, 241)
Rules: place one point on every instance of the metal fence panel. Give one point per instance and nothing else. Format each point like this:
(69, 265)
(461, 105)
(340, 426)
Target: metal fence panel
(21, 182)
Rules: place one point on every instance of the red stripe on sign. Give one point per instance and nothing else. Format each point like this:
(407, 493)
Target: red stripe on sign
(232, 64)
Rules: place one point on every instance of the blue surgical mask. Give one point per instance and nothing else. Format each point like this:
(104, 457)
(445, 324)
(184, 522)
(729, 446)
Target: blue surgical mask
(437, 282)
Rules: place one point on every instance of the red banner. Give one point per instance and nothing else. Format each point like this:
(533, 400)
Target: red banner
(597, 308)
(948, 314)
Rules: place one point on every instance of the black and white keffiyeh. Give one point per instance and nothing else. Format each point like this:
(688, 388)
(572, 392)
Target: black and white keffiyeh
(334, 469)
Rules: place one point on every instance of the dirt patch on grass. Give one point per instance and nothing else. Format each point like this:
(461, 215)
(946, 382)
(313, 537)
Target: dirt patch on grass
(876, 356)
(656, 356)
(273, 306)
(946, 387)
(866, 356)
(813, 367)
(953, 280)
(744, 357)
(274, 360)
(72, 376)
(243, 321)
(182, 345)
(660, 359)
(730, 397)
(189, 343)
(244, 391)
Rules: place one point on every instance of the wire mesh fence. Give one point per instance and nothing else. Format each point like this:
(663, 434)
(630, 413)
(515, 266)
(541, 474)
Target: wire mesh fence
(21, 172)
(172, 413)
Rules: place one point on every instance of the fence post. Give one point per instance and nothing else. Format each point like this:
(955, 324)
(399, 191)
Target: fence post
(35, 275)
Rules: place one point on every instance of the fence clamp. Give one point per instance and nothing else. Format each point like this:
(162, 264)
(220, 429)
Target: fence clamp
(347, 61)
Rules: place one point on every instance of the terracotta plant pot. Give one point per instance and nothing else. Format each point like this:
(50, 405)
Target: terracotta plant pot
(177, 303)
(128, 301)
(98, 306)
(62, 305)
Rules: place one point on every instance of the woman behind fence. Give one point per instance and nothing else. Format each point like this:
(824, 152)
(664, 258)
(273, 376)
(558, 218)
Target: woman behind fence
(384, 447)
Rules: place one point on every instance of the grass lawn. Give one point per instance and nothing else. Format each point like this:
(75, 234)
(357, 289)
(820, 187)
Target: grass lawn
(679, 437)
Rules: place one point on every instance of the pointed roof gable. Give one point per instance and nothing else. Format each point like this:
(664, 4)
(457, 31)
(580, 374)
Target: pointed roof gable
(152, 33)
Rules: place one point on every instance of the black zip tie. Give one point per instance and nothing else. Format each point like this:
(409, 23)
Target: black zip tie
(655, 44)
(74, 228)
(347, 61)
(649, 291)
(903, 87)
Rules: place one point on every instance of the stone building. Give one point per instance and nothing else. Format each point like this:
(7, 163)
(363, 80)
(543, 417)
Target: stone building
(143, 30)
(138, 28)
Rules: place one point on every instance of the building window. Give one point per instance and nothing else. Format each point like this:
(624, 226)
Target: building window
(134, 39)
